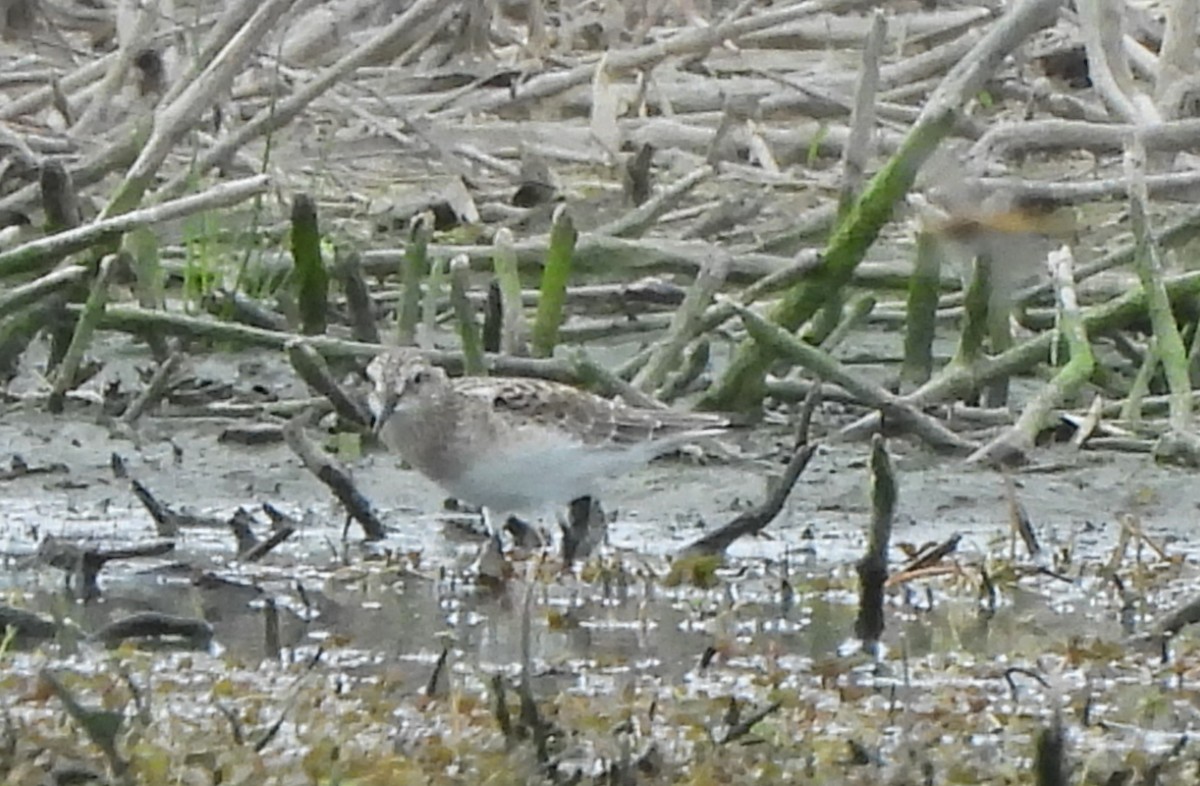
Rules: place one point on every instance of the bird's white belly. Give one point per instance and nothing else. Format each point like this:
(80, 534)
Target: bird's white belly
(526, 478)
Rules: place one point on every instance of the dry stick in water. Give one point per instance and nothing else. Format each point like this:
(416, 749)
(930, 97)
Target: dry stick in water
(1014, 444)
(173, 120)
(11, 300)
(637, 221)
(512, 317)
(857, 153)
(855, 157)
(44, 251)
(363, 323)
(334, 475)
(554, 283)
(755, 520)
(154, 391)
(407, 26)
(132, 40)
(154, 624)
(414, 268)
(873, 567)
(1050, 764)
(665, 356)
(464, 315)
(311, 367)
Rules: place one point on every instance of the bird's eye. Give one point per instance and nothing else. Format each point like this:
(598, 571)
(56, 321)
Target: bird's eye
(419, 377)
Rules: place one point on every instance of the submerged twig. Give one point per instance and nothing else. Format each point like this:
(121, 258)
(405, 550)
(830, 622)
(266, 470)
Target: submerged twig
(310, 366)
(756, 520)
(336, 477)
(873, 568)
(155, 389)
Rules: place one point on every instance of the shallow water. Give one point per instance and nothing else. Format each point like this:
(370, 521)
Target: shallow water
(780, 618)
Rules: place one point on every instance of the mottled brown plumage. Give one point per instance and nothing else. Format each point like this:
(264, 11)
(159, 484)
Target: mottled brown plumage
(512, 444)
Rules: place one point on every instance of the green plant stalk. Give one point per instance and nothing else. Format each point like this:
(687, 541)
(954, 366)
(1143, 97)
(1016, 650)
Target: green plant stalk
(553, 294)
(311, 279)
(667, 352)
(741, 387)
(596, 377)
(1000, 337)
(695, 360)
(828, 369)
(429, 305)
(85, 327)
(468, 326)
(975, 312)
(1065, 384)
(413, 269)
(920, 324)
(142, 243)
(512, 318)
(1171, 351)
(963, 380)
(827, 319)
(857, 310)
(1131, 408)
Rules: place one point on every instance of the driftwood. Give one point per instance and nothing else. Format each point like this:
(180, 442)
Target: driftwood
(83, 563)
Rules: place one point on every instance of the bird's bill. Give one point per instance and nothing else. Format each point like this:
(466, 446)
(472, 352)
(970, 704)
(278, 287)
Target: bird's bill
(381, 410)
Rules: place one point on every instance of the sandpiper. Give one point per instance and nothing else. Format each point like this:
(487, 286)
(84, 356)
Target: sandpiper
(514, 445)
